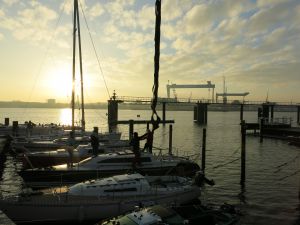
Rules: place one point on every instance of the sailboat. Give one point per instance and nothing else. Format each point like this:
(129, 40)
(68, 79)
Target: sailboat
(60, 155)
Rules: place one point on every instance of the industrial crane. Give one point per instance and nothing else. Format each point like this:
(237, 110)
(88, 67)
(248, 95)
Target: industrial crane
(225, 95)
(208, 85)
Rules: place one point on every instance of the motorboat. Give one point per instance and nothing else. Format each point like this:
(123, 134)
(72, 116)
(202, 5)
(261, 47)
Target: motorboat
(174, 215)
(93, 200)
(104, 165)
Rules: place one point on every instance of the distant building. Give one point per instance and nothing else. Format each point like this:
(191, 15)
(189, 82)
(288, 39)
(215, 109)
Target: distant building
(51, 101)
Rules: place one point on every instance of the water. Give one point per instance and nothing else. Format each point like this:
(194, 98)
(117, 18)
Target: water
(270, 195)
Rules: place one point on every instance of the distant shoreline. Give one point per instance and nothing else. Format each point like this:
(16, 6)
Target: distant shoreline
(140, 106)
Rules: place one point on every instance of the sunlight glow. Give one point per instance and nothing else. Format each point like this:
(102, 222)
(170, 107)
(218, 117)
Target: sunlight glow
(58, 81)
(65, 117)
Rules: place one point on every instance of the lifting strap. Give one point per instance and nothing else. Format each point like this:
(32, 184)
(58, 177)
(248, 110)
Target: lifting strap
(155, 119)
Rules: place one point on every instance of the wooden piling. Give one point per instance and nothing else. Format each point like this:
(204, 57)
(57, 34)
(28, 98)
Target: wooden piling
(243, 152)
(298, 114)
(272, 112)
(130, 129)
(261, 130)
(242, 112)
(201, 113)
(163, 111)
(15, 128)
(6, 121)
(170, 138)
(203, 150)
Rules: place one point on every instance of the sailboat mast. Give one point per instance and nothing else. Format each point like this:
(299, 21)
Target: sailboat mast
(81, 73)
(74, 58)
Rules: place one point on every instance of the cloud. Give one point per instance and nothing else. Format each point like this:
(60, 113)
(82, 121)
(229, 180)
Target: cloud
(10, 2)
(96, 10)
(171, 10)
(266, 18)
(2, 14)
(1, 36)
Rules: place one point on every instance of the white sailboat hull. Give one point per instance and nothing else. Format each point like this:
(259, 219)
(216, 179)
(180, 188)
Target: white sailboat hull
(76, 209)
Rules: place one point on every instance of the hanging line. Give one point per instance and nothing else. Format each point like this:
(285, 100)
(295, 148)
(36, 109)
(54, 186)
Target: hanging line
(38, 73)
(94, 48)
(155, 119)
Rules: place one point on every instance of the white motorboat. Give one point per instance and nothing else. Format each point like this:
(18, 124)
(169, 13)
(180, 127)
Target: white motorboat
(94, 200)
(109, 164)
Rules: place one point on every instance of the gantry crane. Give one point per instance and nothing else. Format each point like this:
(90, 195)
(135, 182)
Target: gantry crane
(208, 85)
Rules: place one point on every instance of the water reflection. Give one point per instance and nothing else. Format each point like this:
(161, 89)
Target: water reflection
(65, 117)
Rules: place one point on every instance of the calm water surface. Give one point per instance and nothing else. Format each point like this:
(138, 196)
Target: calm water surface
(271, 193)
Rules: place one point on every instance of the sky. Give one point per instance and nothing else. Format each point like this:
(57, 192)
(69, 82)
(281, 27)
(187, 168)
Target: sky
(254, 44)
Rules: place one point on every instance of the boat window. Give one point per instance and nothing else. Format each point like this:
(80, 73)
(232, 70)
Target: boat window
(121, 190)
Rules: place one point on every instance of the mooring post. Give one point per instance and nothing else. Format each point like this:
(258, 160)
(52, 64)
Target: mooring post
(205, 113)
(272, 113)
(130, 129)
(170, 139)
(242, 112)
(265, 111)
(201, 113)
(259, 113)
(298, 114)
(261, 130)
(15, 128)
(6, 121)
(203, 149)
(243, 152)
(164, 112)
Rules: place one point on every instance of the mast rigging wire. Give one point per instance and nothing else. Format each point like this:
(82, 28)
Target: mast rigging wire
(46, 53)
(90, 35)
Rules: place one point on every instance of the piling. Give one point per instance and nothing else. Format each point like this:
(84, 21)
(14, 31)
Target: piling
(15, 128)
(203, 150)
(298, 114)
(265, 111)
(170, 138)
(200, 113)
(6, 122)
(243, 152)
(261, 128)
(259, 112)
(242, 112)
(112, 108)
(130, 129)
(272, 112)
(163, 111)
